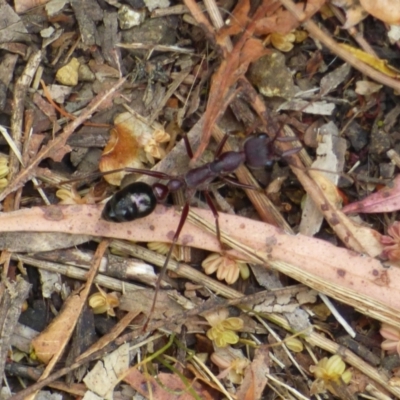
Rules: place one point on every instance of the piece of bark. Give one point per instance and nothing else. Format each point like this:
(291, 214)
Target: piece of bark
(14, 295)
(87, 12)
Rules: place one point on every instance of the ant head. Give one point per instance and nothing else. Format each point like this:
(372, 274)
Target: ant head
(258, 151)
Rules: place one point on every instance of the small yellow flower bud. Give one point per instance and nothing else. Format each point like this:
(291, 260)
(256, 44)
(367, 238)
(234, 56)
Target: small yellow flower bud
(294, 344)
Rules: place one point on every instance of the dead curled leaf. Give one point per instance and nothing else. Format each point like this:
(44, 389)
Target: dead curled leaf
(170, 384)
(386, 10)
(52, 340)
(132, 142)
(283, 22)
(385, 200)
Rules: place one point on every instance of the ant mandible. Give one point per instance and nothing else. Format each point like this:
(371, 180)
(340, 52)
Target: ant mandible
(139, 199)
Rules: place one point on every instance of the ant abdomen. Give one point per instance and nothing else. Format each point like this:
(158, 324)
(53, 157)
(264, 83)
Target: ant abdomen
(134, 201)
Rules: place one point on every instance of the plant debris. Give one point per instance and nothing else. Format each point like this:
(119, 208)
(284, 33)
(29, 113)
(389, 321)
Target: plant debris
(264, 137)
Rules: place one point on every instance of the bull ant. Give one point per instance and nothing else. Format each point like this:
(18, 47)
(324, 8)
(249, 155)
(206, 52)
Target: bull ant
(139, 199)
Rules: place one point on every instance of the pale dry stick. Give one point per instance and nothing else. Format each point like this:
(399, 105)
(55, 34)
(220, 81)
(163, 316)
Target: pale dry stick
(213, 12)
(346, 326)
(13, 145)
(179, 9)
(77, 273)
(318, 34)
(52, 178)
(60, 141)
(374, 393)
(181, 269)
(201, 19)
(281, 342)
(71, 50)
(38, 77)
(294, 392)
(156, 47)
(213, 378)
(29, 119)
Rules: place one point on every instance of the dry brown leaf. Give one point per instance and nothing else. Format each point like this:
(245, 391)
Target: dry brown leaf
(53, 339)
(132, 142)
(385, 200)
(255, 379)
(224, 81)
(24, 5)
(366, 88)
(108, 372)
(386, 10)
(236, 22)
(121, 151)
(283, 22)
(170, 385)
(232, 68)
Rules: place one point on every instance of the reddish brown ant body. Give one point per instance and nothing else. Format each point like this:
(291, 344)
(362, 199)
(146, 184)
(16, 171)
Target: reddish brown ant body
(138, 199)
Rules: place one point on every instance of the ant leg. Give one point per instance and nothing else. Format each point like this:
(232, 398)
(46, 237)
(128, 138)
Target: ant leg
(233, 182)
(185, 212)
(188, 146)
(290, 152)
(211, 204)
(221, 145)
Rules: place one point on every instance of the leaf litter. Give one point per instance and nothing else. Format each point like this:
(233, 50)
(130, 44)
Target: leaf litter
(110, 59)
